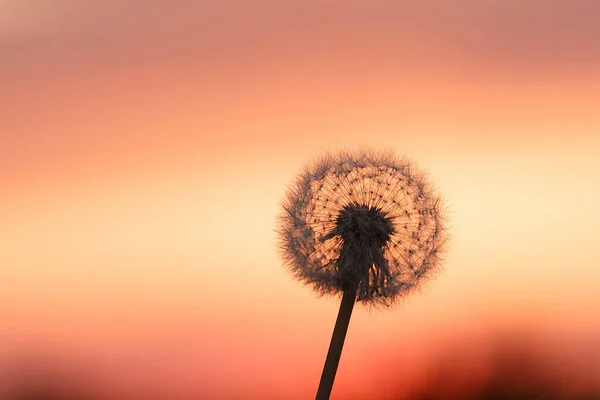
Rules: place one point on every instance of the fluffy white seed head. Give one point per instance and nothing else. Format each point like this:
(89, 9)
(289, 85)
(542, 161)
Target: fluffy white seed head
(365, 220)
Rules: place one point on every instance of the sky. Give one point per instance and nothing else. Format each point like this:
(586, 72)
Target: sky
(145, 148)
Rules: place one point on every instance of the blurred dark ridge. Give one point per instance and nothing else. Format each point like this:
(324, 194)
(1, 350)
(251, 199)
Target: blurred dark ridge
(507, 367)
(511, 368)
(37, 383)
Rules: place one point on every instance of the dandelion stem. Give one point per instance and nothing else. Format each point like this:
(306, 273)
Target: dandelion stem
(336, 345)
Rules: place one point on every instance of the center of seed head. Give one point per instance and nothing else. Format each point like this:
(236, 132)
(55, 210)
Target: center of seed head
(364, 226)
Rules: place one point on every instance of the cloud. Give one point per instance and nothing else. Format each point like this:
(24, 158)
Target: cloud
(498, 32)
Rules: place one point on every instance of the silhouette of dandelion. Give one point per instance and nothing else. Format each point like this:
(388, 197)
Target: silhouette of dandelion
(365, 225)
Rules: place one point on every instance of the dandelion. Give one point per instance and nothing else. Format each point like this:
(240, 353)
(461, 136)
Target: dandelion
(363, 225)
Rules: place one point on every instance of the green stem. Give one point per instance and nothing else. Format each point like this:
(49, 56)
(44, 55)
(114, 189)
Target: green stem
(336, 345)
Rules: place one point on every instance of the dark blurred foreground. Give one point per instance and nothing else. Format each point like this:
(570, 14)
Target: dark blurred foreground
(513, 368)
(508, 367)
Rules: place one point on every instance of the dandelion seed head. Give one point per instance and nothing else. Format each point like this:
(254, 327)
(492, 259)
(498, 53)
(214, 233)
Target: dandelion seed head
(362, 220)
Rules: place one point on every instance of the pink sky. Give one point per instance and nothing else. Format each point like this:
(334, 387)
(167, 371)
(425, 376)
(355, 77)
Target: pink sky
(145, 147)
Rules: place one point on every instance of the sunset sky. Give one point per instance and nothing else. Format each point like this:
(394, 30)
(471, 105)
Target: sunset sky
(145, 148)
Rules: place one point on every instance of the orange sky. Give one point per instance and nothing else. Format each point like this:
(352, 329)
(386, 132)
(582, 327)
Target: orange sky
(145, 147)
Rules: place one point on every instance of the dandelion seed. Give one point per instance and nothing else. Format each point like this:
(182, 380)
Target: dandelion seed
(350, 226)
